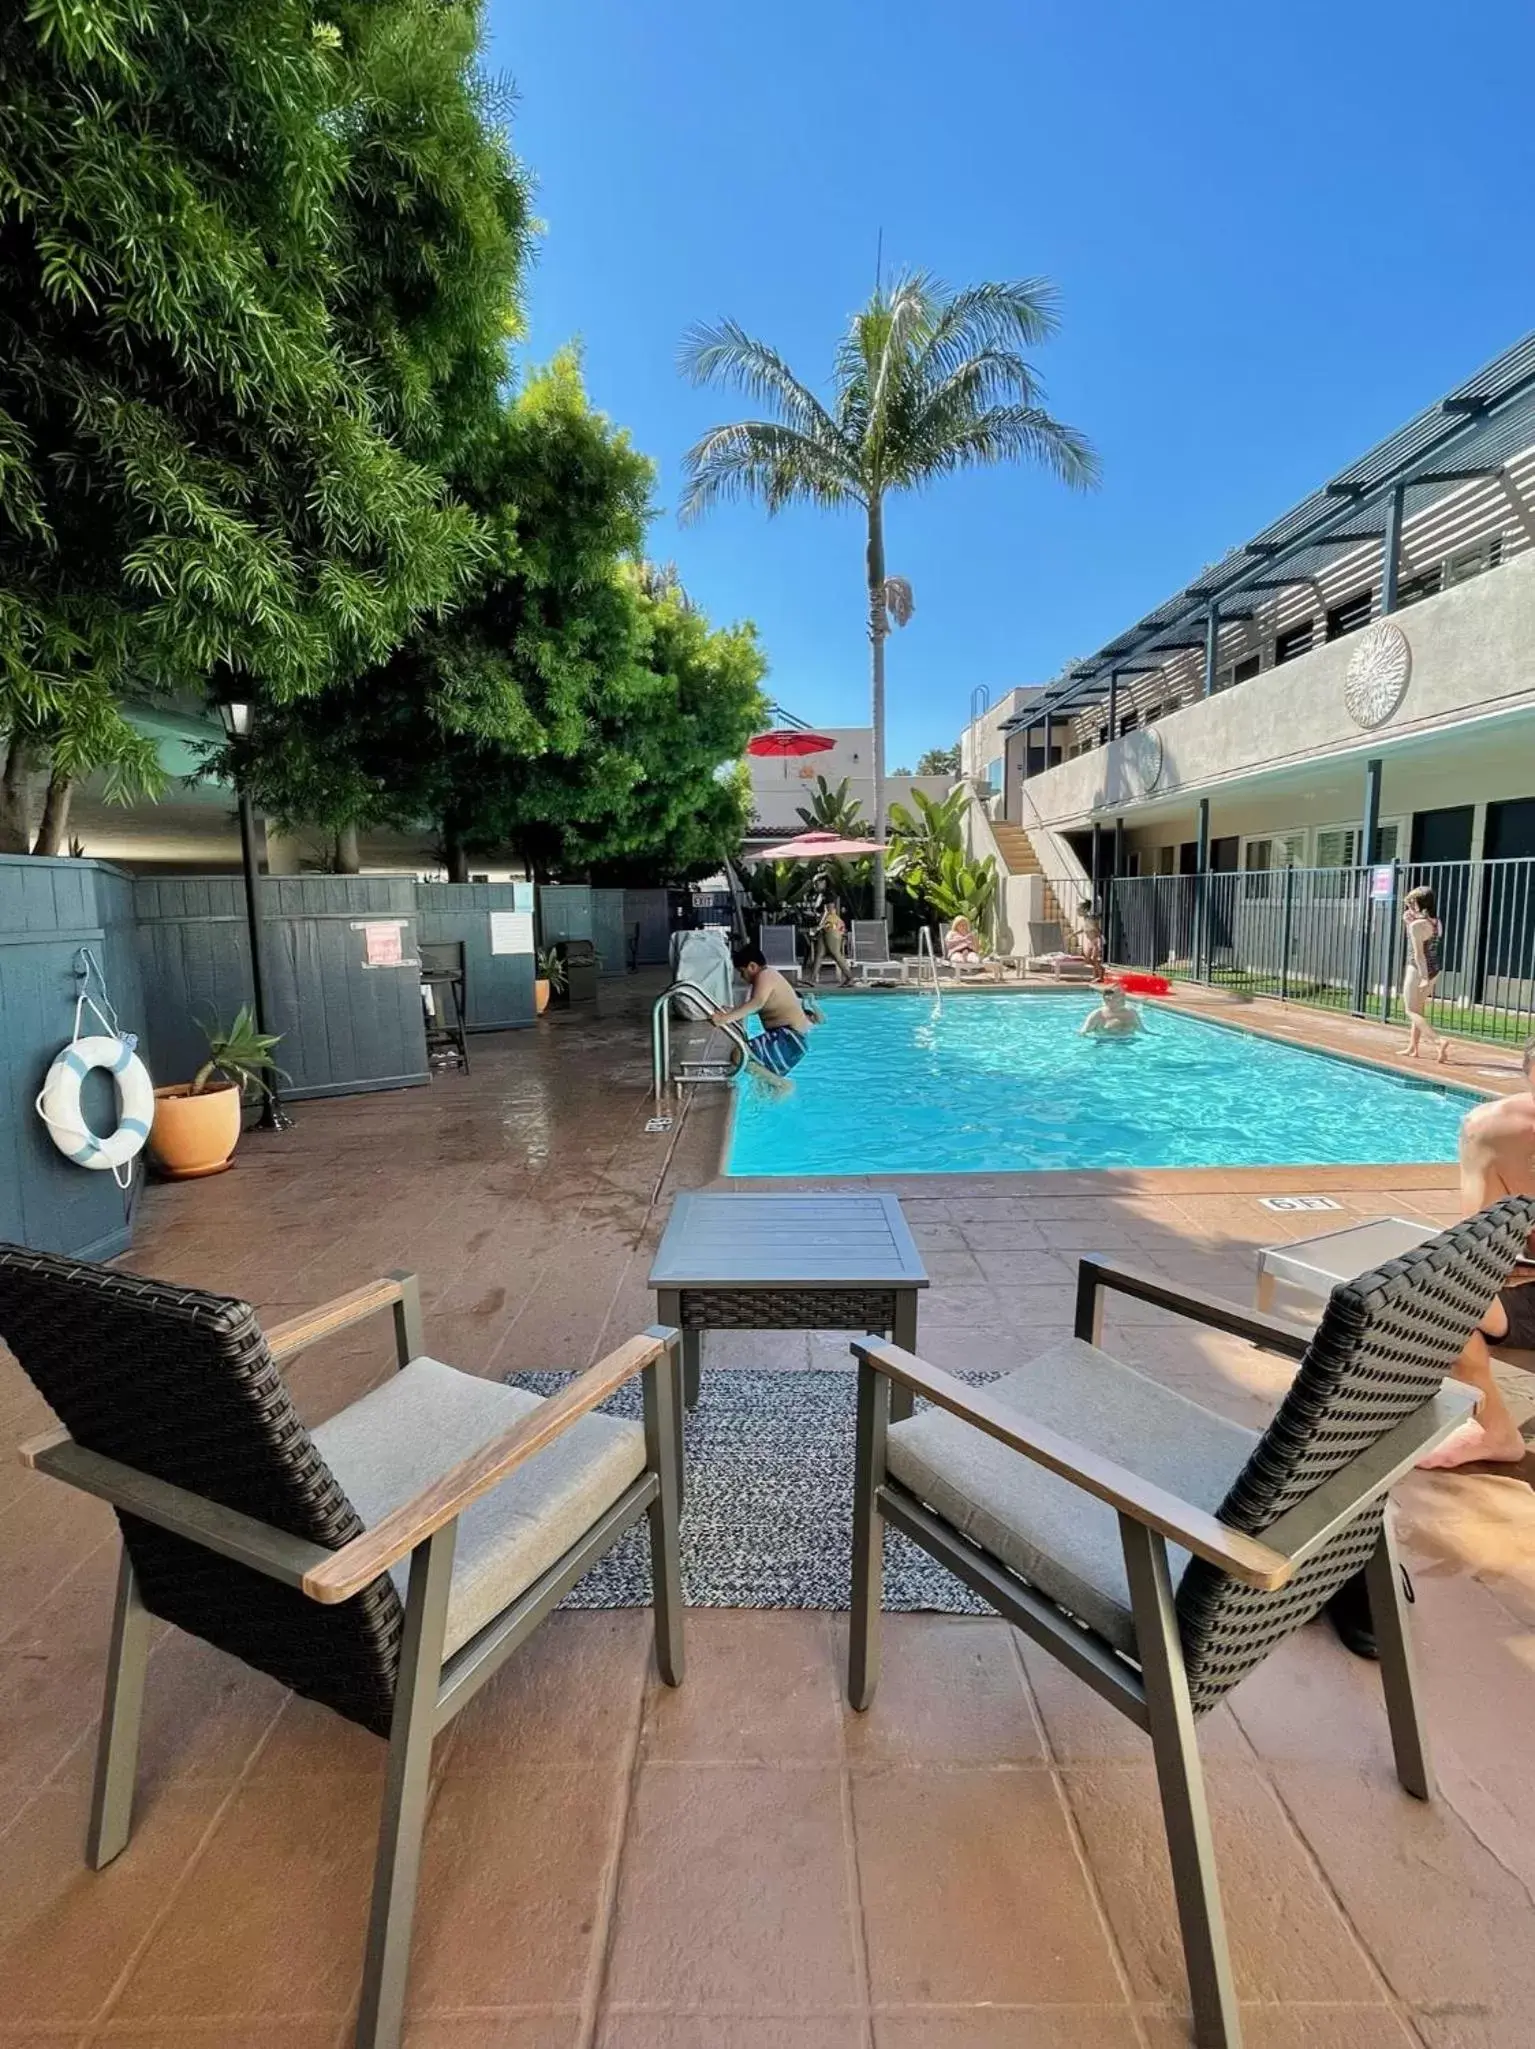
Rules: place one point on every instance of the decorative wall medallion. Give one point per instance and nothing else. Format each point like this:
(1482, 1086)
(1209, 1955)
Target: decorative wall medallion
(1378, 674)
(1143, 760)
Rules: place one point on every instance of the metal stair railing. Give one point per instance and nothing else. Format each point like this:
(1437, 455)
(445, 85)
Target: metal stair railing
(926, 953)
(661, 1038)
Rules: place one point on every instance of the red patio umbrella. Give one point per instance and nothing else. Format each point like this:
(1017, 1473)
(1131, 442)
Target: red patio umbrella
(789, 743)
(818, 846)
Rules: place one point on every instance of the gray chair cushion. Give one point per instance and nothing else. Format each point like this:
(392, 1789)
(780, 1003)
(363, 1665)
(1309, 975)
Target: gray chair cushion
(408, 1432)
(1063, 1541)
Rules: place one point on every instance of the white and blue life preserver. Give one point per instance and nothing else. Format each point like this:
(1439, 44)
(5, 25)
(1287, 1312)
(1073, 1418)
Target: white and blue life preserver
(59, 1102)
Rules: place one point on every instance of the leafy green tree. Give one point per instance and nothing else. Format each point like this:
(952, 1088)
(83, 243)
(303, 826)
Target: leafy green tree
(939, 761)
(925, 382)
(256, 279)
(959, 887)
(575, 710)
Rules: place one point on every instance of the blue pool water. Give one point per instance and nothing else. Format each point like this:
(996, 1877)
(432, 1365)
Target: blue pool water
(1004, 1083)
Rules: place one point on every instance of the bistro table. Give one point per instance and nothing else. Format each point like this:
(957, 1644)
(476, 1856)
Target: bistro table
(787, 1262)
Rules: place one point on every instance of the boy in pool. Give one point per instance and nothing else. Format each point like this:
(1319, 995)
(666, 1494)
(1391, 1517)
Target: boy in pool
(1113, 1019)
(782, 1043)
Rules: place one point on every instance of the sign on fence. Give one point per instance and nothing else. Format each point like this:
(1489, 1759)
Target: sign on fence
(1382, 882)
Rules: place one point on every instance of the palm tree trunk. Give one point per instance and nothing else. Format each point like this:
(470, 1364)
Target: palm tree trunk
(52, 833)
(348, 860)
(879, 628)
(14, 838)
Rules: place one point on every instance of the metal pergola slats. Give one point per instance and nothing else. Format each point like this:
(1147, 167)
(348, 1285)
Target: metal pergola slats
(1473, 432)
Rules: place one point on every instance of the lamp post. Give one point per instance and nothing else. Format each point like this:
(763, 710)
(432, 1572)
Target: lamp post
(236, 710)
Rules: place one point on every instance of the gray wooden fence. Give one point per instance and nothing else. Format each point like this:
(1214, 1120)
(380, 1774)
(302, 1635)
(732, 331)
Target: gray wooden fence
(49, 912)
(489, 920)
(346, 1025)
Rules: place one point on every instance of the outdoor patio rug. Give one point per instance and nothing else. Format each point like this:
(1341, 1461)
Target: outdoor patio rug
(768, 1518)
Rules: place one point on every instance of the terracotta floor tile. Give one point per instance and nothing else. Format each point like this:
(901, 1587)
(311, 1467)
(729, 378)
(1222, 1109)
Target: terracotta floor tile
(309, 1741)
(1288, 1939)
(694, 2031)
(50, 1685)
(735, 1892)
(67, 1933)
(272, 1919)
(1296, 2027)
(45, 1537)
(499, 2031)
(511, 1887)
(761, 1688)
(972, 1892)
(569, 1695)
(1039, 2027)
(1452, 1930)
(950, 1692)
(204, 1713)
(1081, 1728)
(286, 2034)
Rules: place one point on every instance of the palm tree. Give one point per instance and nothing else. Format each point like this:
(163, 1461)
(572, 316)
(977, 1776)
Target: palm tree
(925, 382)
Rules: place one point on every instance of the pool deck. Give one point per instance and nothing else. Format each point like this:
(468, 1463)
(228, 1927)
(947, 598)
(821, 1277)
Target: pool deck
(975, 1864)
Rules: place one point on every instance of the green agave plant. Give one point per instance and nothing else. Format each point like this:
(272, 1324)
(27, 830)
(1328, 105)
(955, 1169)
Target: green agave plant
(239, 1053)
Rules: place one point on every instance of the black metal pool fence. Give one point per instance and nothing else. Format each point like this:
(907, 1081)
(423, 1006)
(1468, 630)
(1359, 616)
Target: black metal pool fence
(1334, 937)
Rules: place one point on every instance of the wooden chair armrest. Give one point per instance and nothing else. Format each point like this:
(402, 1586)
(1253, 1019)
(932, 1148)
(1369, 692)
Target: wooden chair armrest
(1255, 1564)
(343, 1573)
(1272, 1333)
(397, 1291)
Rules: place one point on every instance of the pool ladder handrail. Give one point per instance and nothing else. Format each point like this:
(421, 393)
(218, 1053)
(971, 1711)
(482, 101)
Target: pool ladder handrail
(661, 1037)
(926, 953)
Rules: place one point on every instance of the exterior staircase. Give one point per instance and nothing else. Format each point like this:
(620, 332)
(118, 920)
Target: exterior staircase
(1019, 857)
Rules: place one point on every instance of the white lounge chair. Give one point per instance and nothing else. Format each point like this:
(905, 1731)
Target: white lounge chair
(871, 953)
(1048, 956)
(780, 949)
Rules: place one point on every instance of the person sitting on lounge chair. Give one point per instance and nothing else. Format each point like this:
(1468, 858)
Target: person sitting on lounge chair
(1114, 1018)
(1092, 939)
(959, 947)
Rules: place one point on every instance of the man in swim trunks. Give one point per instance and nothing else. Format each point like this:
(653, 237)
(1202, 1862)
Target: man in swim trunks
(781, 1044)
(1497, 1158)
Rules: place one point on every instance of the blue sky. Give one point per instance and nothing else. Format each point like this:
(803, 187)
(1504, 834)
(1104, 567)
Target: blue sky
(1276, 232)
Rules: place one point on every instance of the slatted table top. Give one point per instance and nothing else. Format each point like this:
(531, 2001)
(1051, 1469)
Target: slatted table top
(773, 1241)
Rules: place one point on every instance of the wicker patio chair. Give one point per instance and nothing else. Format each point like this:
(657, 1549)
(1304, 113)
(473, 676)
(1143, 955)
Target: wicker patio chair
(386, 1563)
(1161, 1552)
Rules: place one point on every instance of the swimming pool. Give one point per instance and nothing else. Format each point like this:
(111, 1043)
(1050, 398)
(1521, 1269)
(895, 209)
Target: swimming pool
(1004, 1083)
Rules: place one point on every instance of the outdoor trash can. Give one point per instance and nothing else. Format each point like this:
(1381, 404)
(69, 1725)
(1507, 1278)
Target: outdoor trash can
(580, 958)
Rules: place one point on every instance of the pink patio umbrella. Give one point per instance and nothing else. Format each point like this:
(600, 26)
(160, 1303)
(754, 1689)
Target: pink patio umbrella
(817, 846)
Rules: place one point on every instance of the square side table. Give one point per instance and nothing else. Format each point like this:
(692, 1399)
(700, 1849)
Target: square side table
(1316, 1265)
(786, 1262)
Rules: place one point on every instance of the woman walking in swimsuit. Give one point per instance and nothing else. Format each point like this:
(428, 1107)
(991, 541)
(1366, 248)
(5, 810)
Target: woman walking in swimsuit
(1425, 961)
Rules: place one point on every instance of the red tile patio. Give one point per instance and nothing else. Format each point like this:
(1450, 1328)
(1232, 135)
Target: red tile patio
(975, 1864)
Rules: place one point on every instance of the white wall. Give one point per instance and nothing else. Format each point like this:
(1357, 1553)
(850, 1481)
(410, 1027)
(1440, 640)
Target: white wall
(780, 787)
(1473, 658)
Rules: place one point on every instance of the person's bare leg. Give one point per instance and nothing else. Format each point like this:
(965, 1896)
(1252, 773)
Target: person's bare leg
(1492, 1434)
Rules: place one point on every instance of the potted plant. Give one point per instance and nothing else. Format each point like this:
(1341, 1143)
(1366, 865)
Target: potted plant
(550, 980)
(197, 1122)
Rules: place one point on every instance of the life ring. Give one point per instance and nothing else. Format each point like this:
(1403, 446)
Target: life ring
(59, 1102)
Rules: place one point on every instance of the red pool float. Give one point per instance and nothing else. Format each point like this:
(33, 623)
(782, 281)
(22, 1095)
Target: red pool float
(1135, 984)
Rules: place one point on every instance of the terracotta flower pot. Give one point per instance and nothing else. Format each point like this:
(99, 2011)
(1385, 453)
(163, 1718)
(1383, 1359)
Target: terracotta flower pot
(194, 1135)
(540, 995)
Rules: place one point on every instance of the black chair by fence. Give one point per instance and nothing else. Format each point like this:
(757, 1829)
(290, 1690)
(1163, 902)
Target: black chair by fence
(444, 983)
(386, 1564)
(1054, 1492)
